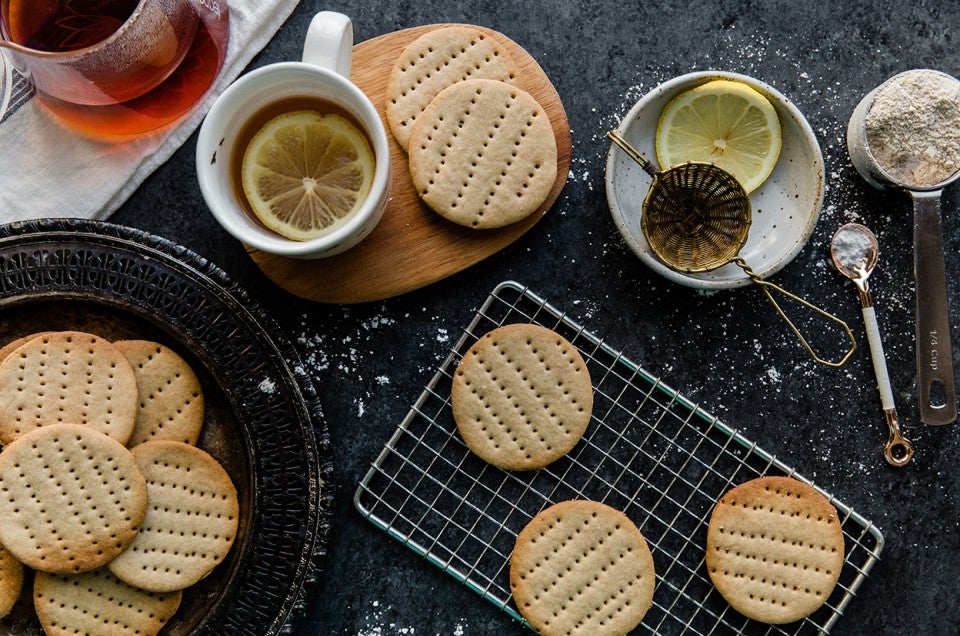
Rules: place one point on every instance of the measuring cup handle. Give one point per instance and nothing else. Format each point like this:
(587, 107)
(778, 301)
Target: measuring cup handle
(329, 42)
(935, 383)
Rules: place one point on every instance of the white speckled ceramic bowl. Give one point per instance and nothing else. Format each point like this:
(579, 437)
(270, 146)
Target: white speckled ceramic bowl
(785, 208)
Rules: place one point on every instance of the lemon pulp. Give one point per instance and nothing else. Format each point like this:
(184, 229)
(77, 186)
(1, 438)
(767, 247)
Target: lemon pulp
(305, 174)
(723, 122)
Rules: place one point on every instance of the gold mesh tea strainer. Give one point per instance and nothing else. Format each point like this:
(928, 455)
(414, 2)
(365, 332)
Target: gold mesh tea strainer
(696, 218)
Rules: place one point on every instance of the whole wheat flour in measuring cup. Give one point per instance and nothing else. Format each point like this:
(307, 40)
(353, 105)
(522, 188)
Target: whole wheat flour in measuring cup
(913, 128)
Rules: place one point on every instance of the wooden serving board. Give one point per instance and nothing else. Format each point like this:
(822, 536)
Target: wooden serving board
(412, 246)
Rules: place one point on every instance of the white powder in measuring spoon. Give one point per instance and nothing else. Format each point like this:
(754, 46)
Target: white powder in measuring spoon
(851, 247)
(913, 127)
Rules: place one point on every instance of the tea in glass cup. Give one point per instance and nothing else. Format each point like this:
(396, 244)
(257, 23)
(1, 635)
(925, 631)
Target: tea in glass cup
(116, 68)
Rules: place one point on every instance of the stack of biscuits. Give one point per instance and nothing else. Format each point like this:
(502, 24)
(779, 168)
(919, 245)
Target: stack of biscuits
(103, 493)
(481, 150)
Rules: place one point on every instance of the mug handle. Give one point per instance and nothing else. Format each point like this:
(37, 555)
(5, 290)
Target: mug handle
(329, 42)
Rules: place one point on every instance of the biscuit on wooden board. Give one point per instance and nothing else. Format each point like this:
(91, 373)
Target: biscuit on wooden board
(521, 397)
(434, 61)
(483, 154)
(171, 400)
(582, 568)
(191, 522)
(67, 377)
(71, 498)
(97, 603)
(774, 549)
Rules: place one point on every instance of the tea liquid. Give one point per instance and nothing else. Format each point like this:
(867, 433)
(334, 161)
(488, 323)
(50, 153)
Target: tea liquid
(260, 118)
(64, 25)
(61, 25)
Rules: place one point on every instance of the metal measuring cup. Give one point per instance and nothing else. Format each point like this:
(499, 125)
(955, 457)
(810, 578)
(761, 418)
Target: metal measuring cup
(935, 381)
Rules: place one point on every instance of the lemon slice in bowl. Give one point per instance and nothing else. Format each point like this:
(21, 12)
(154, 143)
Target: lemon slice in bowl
(723, 122)
(305, 174)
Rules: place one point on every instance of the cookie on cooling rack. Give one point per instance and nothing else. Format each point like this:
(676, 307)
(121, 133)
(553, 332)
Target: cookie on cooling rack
(582, 568)
(774, 549)
(521, 397)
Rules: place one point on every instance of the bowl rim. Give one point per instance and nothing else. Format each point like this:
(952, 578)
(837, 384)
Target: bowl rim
(691, 80)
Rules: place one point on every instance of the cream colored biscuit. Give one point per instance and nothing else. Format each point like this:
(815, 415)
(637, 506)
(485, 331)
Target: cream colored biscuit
(483, 154)
(432, 62)
(11, 581)
(582, 568)
(11, 346)
(67, 377)
(96, 603)
(71, 498)
(774, 549)
(521, 397)
(171, 400)
(191, 522)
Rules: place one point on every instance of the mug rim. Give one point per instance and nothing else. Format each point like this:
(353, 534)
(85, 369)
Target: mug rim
(227, 212)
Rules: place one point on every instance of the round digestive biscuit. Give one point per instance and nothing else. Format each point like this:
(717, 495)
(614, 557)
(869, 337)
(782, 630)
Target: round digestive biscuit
(434, 61)
(483, 154)
(191, 521)
(774, 549)
(521, 397)
(98, 603)
(67, 376)
(71, 498)
(11, 346)
(11, 581)
(582, 567)
(171, 400)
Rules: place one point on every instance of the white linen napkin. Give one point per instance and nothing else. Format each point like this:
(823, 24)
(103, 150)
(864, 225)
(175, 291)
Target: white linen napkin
(45, 171)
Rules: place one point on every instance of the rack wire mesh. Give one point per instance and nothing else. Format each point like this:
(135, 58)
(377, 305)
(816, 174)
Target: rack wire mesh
(648, 451)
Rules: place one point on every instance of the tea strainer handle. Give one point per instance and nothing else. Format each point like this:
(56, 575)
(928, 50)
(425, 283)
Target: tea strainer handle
(767, 286)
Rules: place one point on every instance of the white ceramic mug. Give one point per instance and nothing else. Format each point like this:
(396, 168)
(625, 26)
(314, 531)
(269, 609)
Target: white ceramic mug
(324, 73)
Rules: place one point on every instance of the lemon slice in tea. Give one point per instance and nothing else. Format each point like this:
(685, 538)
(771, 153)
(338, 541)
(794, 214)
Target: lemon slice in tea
(305, 174)
(723, 122)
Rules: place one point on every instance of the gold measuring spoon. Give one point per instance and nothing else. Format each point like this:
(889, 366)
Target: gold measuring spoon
(696, 218)
(855, 252)
(935, 382)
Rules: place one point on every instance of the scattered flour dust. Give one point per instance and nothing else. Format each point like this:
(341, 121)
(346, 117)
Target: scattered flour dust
(378, 623)
(268, 386)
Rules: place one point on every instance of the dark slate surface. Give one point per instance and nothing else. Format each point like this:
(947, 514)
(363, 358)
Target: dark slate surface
(725, 350)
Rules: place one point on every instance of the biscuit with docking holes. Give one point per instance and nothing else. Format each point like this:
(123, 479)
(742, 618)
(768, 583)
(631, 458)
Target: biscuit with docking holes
(171, 400)
(774, 549)
(67, 377)
(582, 568)
(521, 397)
(99, 603)
(191, 521)
(71, 498)
(11, 581)
(435, 60)
(483, 154)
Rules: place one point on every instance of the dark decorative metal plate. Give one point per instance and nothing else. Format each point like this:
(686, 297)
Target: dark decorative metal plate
(263, 421)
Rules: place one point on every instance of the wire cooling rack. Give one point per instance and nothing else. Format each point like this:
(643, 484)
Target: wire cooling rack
(648, 451)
